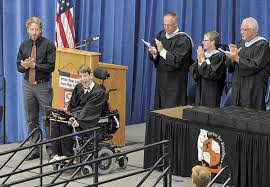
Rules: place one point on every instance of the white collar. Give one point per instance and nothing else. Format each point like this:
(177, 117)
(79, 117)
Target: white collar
(89, 88)
(251, 42)
(209, 54)
(168, 36)
(176, 32)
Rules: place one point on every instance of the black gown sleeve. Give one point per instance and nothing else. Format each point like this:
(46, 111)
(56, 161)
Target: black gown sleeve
(259, 60)
(230, 64)
(194, 71)
(91, 112)
(215, 70)
(176, 57)
(155, 60)
(74, 100)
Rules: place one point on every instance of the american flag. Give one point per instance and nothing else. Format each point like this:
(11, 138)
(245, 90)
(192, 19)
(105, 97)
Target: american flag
(65, 34)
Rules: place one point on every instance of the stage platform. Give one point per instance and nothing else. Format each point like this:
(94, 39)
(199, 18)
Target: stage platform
(134, 138)
(233, 136)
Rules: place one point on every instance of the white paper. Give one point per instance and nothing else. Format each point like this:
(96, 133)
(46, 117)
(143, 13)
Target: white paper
(146, 43)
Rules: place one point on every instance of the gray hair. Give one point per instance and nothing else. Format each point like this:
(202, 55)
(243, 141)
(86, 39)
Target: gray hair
(213, 36)
(252, 23)
(173, 15)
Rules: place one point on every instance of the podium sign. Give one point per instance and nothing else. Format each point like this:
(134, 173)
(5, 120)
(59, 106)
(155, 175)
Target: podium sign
(67, 62)
(67, 82)
(64, 79)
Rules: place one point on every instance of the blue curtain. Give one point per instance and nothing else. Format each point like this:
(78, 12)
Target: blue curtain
(121, 25)
(14, 16)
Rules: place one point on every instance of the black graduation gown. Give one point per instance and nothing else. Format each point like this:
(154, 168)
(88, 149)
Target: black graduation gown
(172, 73)
(250, 75)
(87, 108)
(210, 79)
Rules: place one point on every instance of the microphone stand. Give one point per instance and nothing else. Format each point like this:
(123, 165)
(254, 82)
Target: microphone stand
(86, 42)
(82, 45)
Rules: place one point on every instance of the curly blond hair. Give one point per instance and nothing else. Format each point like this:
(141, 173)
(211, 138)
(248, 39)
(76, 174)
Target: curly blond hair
(35, 20)
(201, 176)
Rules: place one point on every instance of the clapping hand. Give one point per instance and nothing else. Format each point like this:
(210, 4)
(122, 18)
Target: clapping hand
(200, 55)
(152, 50)
(28, 63)
(233, 53)
(159, 45)
(25, 63)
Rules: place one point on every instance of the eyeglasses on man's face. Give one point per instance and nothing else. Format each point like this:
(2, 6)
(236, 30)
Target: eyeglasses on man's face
(168, 25)
(206, 40)
(245, 29)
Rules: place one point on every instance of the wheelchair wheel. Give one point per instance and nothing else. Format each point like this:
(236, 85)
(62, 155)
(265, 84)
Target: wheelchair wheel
(105, 166)
(86, 170)
(123, 162)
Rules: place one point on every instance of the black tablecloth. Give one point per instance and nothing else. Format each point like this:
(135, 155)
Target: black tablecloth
(247, 153)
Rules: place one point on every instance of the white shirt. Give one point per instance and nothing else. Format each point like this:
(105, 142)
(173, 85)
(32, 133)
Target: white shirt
(86, 90)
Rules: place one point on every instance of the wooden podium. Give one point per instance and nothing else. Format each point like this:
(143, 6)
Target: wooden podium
(68, 60)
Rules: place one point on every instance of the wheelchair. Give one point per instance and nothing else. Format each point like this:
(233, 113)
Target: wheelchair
(108, 123)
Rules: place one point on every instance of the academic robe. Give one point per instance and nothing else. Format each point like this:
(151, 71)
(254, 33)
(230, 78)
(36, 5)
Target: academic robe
(210, 80)
(250, 75)
(172, 73)
(87, 108)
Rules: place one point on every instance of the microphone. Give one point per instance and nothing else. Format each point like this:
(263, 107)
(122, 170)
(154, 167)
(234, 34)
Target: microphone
(94, 38)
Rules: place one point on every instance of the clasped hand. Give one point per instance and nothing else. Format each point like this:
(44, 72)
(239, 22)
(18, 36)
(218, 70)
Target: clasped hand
(200, 55)
(233, 53)
(74, 122)
(28, 63)
(159, 45)
(154, 50)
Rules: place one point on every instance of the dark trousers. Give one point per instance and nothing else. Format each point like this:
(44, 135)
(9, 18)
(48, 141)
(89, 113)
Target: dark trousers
(62, 147)
(36, 97)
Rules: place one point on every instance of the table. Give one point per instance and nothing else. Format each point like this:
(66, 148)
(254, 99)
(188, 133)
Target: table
(246, 152)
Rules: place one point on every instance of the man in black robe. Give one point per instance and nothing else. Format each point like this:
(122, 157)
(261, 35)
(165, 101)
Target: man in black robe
(86, 106)
(209, 72)
(249, 64)
(172, 57)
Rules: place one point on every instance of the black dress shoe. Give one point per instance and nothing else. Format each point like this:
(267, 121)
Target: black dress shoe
(32, 157)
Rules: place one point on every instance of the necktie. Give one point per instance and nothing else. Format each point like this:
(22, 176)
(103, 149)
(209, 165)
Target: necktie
(32, 71)
(86, 90)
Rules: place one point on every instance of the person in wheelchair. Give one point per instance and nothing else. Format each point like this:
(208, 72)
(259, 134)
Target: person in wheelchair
(86, 105)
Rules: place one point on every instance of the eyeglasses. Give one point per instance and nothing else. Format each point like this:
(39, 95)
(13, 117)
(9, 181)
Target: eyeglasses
(168, 25)
(206, 40)
(245, 29)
